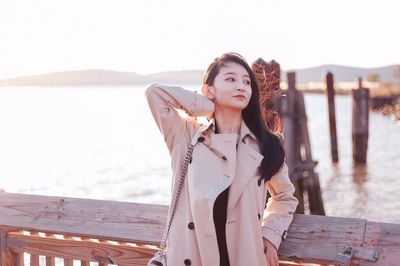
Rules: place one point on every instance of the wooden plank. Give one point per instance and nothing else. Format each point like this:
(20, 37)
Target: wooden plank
(385, 238)
(319, 238)
(50, 261)
(34, 259)
(119, 221)
(311, 238)
(81, 250)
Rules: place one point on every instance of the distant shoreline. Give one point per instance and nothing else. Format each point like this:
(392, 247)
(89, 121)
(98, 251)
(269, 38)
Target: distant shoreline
(98, 77)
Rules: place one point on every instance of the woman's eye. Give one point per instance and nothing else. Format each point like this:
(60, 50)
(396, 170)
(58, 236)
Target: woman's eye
(247, 82)
(230, 79)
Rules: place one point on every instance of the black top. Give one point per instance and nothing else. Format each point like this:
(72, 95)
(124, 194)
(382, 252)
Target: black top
(219, 211)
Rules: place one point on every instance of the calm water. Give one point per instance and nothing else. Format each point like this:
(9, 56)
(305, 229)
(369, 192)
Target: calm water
(102, 143)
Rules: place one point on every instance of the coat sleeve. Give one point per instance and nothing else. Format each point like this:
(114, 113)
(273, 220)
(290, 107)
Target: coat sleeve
(280, 208)
(163, 101)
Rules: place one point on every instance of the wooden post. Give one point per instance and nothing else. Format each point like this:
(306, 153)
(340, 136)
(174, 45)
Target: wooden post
(332, 117)
(360, 124)
(305, 166)
(68, 261)
(298, 150)
(18, 259)
(292, 156)
(7, 257)
(50, 260)
(34, 260)
(3, 248)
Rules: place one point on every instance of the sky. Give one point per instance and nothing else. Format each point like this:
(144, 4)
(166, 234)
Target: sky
(160, 35)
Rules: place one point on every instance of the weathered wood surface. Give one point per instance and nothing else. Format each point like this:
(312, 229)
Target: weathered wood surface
(111, 220)
(310, 238)
(69, 249)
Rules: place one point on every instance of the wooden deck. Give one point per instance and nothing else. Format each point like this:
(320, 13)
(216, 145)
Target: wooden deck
(63, 230)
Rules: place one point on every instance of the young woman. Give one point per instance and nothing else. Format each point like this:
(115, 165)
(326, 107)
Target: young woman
(221, 217)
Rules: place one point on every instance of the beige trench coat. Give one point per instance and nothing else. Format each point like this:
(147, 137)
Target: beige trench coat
(192, 239)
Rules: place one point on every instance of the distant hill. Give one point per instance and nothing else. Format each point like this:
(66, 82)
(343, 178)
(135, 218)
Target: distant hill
(344, 73)
(108, 77)
(102, 77)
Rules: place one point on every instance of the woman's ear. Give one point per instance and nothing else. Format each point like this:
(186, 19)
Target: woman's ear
(208, 91)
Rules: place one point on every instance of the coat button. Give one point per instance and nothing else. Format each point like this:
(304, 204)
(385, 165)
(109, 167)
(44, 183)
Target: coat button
(259, 216)
(284, 235)
(187, 262)
(259, 169)
(201, 139)
(259, 182)
(191, 225)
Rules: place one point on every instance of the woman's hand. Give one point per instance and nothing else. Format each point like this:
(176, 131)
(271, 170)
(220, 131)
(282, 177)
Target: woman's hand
(271, 253)
(208, 92)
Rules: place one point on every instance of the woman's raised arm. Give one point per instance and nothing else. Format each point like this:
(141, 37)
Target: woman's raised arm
(163, 101)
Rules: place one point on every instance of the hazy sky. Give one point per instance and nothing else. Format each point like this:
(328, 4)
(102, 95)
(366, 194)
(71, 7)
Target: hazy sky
(157, 35)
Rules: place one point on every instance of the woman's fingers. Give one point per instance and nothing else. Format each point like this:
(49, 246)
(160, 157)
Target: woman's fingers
(271, 253)
(207, 91)
(272, 257)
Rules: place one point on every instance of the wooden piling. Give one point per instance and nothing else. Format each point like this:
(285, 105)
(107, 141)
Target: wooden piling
(298, 149)
(332, 117)
(292, 156)
(360, 123)
(305, 167)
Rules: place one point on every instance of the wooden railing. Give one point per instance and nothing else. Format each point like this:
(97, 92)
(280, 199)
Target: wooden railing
(61, 230)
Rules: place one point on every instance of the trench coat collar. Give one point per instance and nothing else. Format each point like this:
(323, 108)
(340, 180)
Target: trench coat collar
(244, 129)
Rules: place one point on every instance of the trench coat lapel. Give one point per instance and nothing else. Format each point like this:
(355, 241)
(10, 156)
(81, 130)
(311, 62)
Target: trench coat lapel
(241, 165)
(247, 163)
(209, 175)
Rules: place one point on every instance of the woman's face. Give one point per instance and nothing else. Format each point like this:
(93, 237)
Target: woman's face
(231, 87)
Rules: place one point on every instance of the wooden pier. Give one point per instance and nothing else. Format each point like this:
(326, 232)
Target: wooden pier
(124, 233)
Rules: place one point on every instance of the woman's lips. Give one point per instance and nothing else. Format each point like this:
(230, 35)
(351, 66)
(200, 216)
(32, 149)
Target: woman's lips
(241, 97)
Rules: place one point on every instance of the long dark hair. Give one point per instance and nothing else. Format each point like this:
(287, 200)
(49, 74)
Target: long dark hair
(270, 144)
